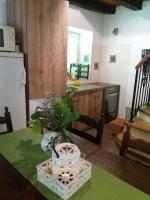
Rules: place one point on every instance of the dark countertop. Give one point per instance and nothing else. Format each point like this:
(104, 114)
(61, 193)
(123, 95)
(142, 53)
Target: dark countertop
(87, 87)
(105, 85)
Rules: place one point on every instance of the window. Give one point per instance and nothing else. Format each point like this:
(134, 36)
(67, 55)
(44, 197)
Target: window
(79, 48)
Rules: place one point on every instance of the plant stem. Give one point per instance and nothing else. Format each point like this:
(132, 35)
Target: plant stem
(64, 135)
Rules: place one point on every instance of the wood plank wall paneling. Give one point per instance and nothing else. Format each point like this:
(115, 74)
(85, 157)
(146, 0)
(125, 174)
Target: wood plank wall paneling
(47, 46)
(41, 29)
(35, 41)
(58, 29)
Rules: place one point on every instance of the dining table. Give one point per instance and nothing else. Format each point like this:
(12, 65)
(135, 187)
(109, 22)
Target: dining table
(20, 153)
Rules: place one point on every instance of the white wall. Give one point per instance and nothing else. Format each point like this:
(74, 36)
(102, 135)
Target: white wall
(133, 36)
(116, 73)
(91, 21)
(3, 12)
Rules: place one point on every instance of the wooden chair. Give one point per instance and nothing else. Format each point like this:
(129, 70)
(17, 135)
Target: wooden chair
(83, 71)
(80, 71)
(74, 70)
(7, 121)
(93, 125)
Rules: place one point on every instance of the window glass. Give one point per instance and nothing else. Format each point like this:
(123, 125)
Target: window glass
(79, 52)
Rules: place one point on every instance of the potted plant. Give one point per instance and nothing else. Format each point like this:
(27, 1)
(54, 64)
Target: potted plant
(52, 118)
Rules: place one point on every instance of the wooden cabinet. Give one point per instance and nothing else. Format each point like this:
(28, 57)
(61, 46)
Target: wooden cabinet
(41, 31)
(89, 104)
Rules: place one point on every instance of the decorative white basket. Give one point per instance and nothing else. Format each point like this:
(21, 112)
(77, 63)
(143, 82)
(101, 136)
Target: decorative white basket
(64, 186)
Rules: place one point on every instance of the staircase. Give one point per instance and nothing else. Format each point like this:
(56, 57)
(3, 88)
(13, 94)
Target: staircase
(134, 141)
(138, 146)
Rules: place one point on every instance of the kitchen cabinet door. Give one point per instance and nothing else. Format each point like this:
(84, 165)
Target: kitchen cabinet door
(96, 105)
(89, 104)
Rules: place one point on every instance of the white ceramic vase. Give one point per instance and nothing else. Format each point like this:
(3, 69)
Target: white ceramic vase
(47, 140)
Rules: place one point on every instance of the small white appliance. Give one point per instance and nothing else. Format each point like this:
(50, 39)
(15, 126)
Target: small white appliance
(7, 38)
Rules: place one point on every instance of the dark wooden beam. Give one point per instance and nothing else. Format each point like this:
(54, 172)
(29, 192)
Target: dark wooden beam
(132, 4)
(94, 5)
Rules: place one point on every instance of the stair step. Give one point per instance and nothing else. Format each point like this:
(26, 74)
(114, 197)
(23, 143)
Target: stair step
(139, 156)
(135, 142)
(145, 109)
(120, 137)
(145, 117)
(118, 122)
(140, 125)
(140, 134)
(138, 150)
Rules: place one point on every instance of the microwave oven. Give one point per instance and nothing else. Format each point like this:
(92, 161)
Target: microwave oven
(7, 38)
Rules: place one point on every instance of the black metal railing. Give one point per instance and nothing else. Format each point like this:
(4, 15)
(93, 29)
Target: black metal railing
(141, 94)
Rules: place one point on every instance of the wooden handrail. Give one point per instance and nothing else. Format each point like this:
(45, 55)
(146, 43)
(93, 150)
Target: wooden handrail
(143, 60)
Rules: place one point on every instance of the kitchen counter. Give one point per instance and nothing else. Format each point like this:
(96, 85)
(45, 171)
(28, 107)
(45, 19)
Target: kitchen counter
(105, 85)
(87, 87)
(109, 101)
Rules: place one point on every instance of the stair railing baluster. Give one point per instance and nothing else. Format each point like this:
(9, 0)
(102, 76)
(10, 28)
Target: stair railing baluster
(134, 96)
(141, 93)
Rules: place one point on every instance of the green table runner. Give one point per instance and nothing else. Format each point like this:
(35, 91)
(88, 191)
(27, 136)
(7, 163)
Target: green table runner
(23, 150)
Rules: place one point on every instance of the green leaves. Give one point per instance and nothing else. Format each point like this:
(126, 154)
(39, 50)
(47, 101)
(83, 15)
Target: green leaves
(55, 114)
(37, 115)
(36, 125)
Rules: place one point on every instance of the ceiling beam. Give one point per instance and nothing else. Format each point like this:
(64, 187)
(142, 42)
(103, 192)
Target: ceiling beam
(94, 5)
(132, 4)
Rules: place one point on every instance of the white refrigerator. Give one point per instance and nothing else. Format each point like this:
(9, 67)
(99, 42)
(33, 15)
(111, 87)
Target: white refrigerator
(12, 87)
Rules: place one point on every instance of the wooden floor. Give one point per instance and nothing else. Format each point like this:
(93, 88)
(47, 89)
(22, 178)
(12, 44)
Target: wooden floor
(108, 142)
(107, 157)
